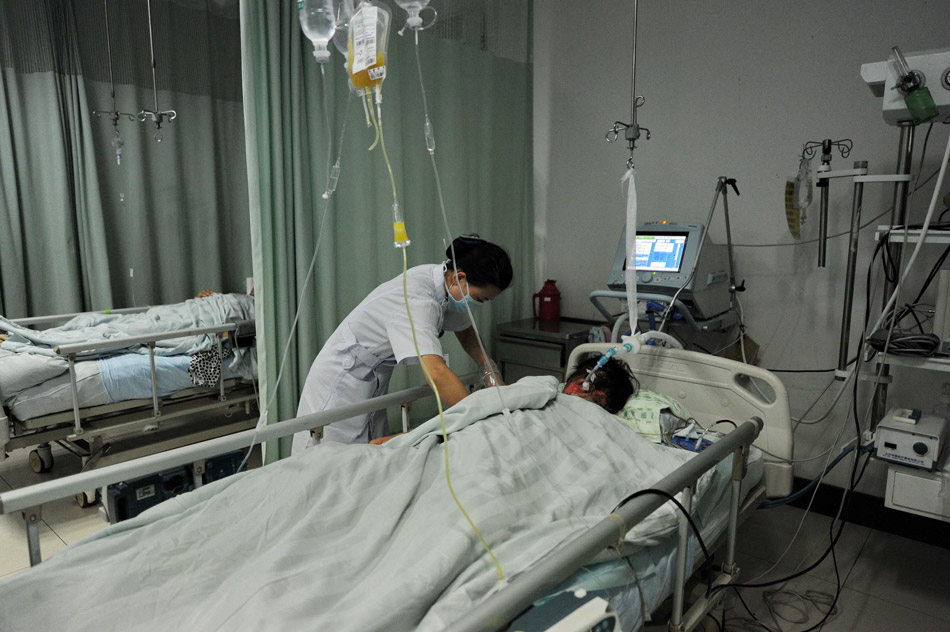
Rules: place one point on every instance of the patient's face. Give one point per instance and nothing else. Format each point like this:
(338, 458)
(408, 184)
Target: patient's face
(575, 386)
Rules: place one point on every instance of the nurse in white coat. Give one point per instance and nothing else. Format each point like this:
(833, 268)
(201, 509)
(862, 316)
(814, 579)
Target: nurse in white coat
(357, 360)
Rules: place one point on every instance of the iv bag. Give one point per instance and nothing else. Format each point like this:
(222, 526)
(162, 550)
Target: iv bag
(803, 190)
(344, 13)
(319, 24)
(412, 7)
(366, 44)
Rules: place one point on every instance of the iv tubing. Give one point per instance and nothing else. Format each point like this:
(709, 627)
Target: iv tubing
(445, 434)
(430, 146)
(425, 370)
(262, 420)
(378, 124)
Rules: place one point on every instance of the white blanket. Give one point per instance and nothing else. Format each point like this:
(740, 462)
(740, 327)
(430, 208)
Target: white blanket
(357, 537)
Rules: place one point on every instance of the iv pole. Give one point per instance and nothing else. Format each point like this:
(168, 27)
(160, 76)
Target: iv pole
(631, 133)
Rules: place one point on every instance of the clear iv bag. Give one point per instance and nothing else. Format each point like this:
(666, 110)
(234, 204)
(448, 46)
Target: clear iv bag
(318, 22)
(803, 187)
(413, 7)
(366, 44)
(344, 13)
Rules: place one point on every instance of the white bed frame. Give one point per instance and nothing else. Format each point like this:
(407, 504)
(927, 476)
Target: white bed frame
(714, 388)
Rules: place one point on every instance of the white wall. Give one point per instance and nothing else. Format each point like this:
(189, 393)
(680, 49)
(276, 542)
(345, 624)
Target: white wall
(732, 88)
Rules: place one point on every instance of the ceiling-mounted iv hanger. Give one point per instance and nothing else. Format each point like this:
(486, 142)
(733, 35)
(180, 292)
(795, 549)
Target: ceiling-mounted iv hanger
(157, 116)
(114, 115)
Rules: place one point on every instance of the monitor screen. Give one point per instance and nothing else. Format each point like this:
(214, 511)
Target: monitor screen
(660, 252)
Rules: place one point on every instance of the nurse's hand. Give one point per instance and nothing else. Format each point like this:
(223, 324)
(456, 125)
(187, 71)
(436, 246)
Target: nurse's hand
(491, 376)
(450, 387)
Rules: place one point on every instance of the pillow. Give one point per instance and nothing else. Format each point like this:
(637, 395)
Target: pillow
(654, 415)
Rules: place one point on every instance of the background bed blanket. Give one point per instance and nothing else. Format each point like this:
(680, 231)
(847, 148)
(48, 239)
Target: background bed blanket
(28, 357)
(357, 537)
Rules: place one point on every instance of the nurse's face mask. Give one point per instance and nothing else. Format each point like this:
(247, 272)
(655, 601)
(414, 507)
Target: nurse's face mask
(458, 305)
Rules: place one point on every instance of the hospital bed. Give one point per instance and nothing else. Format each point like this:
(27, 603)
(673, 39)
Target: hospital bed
(257, 576)
(642, 580)
(114, 397)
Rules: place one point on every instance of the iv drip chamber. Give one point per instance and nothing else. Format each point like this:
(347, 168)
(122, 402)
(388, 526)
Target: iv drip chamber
(413, 7)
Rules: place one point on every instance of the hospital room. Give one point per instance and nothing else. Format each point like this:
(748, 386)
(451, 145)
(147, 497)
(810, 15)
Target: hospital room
(515, 315)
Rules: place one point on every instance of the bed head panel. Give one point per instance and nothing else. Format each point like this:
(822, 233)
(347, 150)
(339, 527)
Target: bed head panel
(714, 388)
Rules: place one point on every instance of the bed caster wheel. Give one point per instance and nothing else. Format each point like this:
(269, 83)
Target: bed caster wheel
(41, 459)
(83, 499)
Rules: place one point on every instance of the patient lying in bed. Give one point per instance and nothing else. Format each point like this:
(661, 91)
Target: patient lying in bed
(355, 537)
(610, 388)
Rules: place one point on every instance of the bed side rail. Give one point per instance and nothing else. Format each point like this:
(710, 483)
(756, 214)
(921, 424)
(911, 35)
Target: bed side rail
(36, 495)
(500, 608)
(117, 344)
(54, 318)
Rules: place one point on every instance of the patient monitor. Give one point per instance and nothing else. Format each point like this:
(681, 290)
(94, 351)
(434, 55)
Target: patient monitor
(670, 256)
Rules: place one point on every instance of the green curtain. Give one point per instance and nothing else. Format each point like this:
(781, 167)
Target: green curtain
(52, 230)
(79, 231)
(480, 108)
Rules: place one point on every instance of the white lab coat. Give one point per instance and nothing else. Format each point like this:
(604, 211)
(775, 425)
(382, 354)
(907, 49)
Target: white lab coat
(357, 360)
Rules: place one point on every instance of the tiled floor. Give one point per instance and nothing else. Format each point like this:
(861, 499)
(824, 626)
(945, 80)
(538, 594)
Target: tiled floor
(889, 582)
(64, 522)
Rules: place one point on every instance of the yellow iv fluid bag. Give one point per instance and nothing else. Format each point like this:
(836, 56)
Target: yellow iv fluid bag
(366, 45)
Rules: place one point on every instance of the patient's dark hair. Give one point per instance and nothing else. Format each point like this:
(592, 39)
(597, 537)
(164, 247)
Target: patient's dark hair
(483, 262)
(614, 380)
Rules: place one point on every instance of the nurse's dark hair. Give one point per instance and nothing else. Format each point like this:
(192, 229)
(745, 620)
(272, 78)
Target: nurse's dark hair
(614, 380)
(483, 262)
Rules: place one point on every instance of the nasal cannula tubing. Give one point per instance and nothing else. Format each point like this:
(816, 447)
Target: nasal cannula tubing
(333, 174)
(425, 371)
(445, 434)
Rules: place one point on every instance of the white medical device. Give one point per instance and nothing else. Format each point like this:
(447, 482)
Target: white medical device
(670, 256)
(884, 80)
(903, 439)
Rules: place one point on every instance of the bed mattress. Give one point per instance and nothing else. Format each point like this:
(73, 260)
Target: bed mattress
(106, 381)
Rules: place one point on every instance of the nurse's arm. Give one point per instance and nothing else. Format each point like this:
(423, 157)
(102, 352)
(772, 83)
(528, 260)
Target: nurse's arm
(469, 342)
(450, 387)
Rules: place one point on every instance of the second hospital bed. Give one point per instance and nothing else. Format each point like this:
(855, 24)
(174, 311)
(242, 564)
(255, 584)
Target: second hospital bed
(121, 384)
(366, 537)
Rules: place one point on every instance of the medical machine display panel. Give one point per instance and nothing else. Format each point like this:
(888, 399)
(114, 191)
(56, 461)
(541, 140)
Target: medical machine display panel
(671, 259)
(660, 252)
